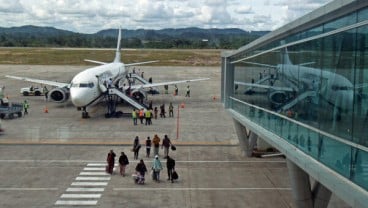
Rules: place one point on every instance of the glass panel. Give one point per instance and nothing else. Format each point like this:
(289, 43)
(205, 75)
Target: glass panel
(335, 155)
(360, 121)
(341, 22)
(360, 168)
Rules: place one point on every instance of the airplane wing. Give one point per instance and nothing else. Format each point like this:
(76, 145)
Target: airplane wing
(140, 63)
(166, 83)
(288, 89)
(39, 81)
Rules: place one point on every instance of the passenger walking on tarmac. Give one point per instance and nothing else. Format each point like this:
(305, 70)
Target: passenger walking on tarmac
(141, 170)
(166, 143)
(156, 144)
(148, 146)
(171, 110)
(134, 116)
(170, 164)
(141, 115)
(25, 107)
(156, 112)
(136, 147)
(156, 167)
(162, 111)
(188, 92)
(123, 162)
(110, 162)
(176, 90)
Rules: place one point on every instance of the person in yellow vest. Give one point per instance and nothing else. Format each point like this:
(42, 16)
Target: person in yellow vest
(25, 107)
(148, 115)
(134, 116)
(141, 115)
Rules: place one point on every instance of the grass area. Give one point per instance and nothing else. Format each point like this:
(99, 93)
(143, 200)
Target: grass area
(71, 56)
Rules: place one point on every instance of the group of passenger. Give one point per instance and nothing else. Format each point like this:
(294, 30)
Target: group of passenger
(141, 168)
(148, 114)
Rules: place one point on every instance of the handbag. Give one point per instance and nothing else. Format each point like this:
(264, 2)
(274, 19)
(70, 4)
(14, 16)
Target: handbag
(175, 175)
(173, 148)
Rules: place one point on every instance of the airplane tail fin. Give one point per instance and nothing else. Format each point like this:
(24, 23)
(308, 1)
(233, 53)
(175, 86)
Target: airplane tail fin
(117, 53)
(285, 56)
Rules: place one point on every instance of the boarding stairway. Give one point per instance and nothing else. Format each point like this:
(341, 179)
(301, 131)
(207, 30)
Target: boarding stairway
(298, 99)
(153, 90)
(122, 95)
(250, 89)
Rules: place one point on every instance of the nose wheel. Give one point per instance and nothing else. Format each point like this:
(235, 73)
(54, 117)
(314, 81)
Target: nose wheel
(85, 113)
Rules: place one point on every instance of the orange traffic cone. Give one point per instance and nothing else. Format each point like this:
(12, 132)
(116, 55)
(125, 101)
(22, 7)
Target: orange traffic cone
(45, 110)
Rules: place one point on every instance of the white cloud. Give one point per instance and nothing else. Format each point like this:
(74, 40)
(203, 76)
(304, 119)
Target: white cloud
(93, 15)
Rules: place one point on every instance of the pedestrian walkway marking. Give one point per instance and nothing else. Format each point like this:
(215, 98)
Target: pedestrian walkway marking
(89, 184)
(90, 202)
(94, 169)
(86, 188)
(81, 196)
(93, 178)
(94, 173)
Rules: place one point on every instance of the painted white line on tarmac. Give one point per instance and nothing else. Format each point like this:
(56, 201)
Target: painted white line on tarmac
(81, 196)
(96, 164)
(94, 174)
(199, 189)
(85, 189)
(29, 189)
(94, 169)
(89, 184)
(93, 178)
(86, 203)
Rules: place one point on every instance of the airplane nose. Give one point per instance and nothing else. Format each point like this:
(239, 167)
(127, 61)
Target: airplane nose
(77, 98)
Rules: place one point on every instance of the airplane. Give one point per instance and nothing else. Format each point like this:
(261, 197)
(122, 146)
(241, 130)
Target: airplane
(89, 86)
(299, 82)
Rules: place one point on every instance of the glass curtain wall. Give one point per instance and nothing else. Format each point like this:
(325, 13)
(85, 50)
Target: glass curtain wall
(321, 83)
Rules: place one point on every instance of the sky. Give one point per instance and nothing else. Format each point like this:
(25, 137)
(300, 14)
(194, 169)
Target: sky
(90, 16)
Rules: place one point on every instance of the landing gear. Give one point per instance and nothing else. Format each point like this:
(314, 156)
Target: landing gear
(85, 113)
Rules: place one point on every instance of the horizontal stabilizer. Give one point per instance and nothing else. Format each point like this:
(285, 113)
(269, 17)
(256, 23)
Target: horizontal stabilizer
(95, 62)
(140, 63)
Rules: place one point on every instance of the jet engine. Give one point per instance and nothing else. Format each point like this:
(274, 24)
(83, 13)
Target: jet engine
(59, 95)
(139, 94)
(278, 98)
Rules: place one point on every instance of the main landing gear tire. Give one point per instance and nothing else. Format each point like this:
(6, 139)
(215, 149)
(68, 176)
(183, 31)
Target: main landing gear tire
(85, 114)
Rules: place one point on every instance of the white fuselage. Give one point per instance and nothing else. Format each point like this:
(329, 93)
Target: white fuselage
(85, 86)
(334, 88)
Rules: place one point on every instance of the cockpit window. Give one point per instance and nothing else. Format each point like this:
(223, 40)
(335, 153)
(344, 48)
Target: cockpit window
(83, 85)
(341, 88)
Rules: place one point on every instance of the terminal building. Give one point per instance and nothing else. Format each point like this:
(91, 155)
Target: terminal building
(303, 89)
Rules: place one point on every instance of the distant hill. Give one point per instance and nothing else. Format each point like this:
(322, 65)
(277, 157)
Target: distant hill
(36, 36)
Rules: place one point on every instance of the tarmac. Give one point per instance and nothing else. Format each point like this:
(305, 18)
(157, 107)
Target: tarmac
(57, 159)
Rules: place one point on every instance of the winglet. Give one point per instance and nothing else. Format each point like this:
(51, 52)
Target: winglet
(117, 53)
